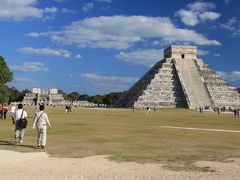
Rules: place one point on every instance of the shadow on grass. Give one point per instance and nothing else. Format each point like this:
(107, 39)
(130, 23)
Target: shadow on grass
(12, 143)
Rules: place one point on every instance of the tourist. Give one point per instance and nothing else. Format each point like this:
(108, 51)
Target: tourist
(19, 132)
(238, 113)
(41, 121)
(154, 109)
(5, 110)
(218, 110)
(235, 112)
(148, 110)
(1, 110)
(132, 109)
(13, 111)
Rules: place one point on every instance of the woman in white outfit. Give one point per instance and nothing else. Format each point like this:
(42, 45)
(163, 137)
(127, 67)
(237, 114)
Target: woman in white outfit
(41, 121)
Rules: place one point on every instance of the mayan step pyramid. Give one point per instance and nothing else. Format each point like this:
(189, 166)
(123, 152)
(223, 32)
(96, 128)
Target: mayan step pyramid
(180, 80)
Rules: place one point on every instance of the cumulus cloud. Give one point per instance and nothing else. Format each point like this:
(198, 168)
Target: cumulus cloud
(230, 76)
(45, 52)
(22, 9)
(29, 67)
(147, 57)
(122, 32)
(197, 12)
(87, 7)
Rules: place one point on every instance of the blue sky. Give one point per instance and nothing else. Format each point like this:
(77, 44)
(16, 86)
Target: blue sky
(102, 46)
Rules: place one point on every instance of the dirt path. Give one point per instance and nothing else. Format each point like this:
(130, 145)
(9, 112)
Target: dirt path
(200, 129)
(26, 166)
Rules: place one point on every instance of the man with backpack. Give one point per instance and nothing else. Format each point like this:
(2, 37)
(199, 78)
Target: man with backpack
(19, 131)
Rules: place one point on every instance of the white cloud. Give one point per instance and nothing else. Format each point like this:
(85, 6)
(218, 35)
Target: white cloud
(51, 10)
(61, 0)
(147, 57)
(67, 11)
(227, 1)
(197, 12)
(38, 34)
(22, 81)
(87, 7)
(109, 78)
(201, 6)
(233, 25)
(209, 16)
(78, 56)
(45, 52)
(230, 76)
(29, 67)
(106, 1)
(217, 55)
(188, 17)
(19, 10)
(122, 32)
(108, 83)
(202, 52)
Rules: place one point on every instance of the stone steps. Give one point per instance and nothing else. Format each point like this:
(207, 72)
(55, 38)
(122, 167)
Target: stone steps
(191, 82)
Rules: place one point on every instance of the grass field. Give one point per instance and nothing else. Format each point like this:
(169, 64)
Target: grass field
(132, 136)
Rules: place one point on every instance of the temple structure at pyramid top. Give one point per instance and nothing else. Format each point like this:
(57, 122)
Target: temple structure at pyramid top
(180, 80)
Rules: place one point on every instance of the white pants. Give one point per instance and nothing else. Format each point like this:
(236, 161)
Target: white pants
(42, 135)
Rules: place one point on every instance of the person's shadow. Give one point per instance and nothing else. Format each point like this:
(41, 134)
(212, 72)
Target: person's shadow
(12, 143)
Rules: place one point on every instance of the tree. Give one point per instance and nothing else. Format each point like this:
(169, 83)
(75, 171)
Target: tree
(5, 74)
(111, 98)
(98, 99)
(83, 97)
(74, 96)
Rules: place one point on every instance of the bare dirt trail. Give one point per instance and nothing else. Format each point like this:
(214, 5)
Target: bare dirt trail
(26, 166)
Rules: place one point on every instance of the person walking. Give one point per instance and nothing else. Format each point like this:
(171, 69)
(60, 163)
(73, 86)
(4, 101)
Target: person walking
(5, 110)
(41, 121)
(148, 110)
(235, 112)
(19, 132)
(13, 111)
(1, 110)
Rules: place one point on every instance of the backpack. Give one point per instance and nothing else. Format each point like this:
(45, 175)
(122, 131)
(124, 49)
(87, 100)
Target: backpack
(22, 122)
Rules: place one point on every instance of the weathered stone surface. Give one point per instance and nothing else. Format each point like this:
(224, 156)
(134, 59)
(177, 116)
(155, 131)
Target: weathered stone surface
(180, 80)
